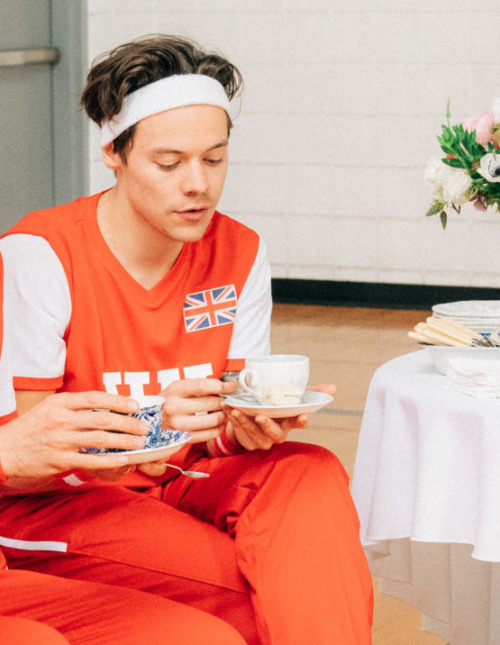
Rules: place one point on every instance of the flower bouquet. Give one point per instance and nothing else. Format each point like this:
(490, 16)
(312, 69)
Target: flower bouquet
(470, 171)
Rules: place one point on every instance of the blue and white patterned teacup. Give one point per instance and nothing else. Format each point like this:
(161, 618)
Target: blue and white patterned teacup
(151, 409)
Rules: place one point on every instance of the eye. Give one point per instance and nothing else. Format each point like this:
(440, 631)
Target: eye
(214, 162)
(167, 167)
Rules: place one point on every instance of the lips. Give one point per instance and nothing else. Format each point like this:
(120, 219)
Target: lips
(194, 214)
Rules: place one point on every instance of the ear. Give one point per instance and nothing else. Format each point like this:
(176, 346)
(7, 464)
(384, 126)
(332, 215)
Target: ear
(111, 158)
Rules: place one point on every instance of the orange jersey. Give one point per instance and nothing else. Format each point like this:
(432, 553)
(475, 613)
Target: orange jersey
(76, 320)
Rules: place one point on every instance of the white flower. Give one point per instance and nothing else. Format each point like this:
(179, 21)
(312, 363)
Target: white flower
(490, 168)
(450, 184)
(455, 184)
(433, 170)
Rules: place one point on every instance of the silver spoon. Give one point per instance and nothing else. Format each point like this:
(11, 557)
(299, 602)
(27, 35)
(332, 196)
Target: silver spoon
(194, 474)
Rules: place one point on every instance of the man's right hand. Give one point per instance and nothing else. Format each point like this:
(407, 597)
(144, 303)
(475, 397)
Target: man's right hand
(47, 439)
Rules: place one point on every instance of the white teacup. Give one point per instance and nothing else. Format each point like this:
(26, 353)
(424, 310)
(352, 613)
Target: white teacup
(277, 379)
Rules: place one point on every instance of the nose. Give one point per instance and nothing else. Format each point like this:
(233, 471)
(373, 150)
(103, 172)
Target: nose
(195, 179)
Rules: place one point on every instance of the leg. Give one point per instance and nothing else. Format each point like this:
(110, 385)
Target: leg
(297, 542)
(21, 631)
(121, 537)
(94, 614)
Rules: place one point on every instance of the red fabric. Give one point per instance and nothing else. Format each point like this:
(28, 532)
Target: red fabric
(21, 631)
(3, 476)
(255, 537)
(43, 610)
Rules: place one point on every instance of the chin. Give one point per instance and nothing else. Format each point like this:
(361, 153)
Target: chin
(189, 233)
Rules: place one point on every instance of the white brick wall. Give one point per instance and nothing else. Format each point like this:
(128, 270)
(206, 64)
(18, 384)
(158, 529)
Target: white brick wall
(343, 101)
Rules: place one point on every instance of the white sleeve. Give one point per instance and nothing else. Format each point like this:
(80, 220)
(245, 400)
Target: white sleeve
(36, 308)
(252, 327)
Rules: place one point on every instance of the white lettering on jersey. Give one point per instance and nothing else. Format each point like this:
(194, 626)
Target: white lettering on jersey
(165, 377)
(111, 380)
(137, 380)
(198, 371)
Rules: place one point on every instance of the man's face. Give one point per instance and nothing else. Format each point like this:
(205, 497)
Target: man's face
(174, 172)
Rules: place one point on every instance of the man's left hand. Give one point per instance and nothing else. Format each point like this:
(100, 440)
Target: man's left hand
(261, 433)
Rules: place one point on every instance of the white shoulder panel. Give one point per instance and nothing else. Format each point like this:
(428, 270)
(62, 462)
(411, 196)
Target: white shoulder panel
(252, 327)
(36, 307)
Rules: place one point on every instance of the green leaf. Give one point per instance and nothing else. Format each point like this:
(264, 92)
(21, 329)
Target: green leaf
(460, 133)
(435, 208)
(447, 149)
(454, 162)
(444, 219)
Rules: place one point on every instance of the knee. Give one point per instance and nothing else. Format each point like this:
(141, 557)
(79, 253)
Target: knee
(311, 458)
(310, 451)
(22, 631)
(200, 628)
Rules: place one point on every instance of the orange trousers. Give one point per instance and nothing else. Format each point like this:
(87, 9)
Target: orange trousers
(269, 543)
(38, 609)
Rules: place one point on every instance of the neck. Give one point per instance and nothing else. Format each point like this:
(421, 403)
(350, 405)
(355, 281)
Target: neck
(146, 254)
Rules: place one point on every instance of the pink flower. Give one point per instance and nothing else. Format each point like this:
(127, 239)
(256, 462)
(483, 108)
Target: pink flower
(480, 204)
(483, 124)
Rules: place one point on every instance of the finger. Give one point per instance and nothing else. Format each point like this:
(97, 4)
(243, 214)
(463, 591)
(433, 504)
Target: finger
(102, 420)
(92, 462)
(247, 432)
(271, 429)
(295, 423)
(175, 405)
(96, 399)
(205, 435)
(153, 469)
(193, 387)
(327, 388)
(113, 475)
(106, 440)
(195, 422)
(228, 387)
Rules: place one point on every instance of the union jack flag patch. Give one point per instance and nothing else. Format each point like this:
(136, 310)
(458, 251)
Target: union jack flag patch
(210, 308)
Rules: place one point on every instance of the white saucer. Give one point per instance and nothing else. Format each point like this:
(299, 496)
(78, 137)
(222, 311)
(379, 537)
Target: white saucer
(173, 441)
(311, 401)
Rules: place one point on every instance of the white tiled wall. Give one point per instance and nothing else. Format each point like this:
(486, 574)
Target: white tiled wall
(342, 104)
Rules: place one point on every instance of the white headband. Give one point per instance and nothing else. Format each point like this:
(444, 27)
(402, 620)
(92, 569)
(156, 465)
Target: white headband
(167, 93)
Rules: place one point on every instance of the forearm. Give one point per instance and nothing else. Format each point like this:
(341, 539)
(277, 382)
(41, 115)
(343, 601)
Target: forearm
(27, 399)
(10, 484)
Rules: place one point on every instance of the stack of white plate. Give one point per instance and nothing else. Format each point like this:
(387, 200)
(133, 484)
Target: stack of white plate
(481, 315)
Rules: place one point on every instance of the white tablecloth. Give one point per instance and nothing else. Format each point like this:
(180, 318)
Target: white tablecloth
(426, 484)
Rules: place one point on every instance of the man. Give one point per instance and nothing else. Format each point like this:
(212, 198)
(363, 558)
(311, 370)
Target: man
(146, 288)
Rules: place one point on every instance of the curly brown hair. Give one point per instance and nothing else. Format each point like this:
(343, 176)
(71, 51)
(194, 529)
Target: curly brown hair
(135, 64)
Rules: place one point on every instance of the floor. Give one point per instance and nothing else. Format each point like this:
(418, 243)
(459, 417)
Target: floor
(345, 346)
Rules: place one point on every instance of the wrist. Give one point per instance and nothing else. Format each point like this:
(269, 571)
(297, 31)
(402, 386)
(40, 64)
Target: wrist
(226, 444)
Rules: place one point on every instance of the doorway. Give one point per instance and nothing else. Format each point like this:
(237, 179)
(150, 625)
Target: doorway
(42, 131)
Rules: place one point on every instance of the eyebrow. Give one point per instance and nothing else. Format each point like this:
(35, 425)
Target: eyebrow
(222, 144)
